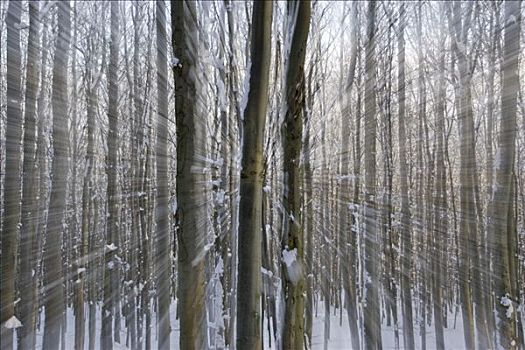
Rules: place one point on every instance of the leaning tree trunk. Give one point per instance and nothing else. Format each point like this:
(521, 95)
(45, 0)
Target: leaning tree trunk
(299, 13)
(252, 176)
(13, 134)
(162, 234)
(54, 299)
(191, 201)
(29, 201)
(501, 218)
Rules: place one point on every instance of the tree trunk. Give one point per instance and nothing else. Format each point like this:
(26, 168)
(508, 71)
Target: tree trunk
(348, 234)
(406, 259)
(54, 301)
(28, 251)
(298, 13)
(13, 136)
(372, 323)
(163, 241)
(501, 216)
(191, 202)
(111, 248)
(252, 176)
(440, 213)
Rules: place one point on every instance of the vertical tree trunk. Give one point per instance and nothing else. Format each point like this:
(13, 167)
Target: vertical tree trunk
(163, 241)
(54, 300)
(298, 13)
(501, 215)
(252, 176)
(470, 243)
(406, 259)
(372, 322)
(440, 213)
(421, 180)
(349, 236)
(29, 218)
(191, 206)
(13, 135)
(111, 248)
(74, 236)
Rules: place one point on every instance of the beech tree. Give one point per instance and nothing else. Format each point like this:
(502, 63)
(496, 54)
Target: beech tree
(252, 175)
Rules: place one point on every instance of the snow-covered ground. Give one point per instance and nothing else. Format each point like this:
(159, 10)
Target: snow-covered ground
(340, 337)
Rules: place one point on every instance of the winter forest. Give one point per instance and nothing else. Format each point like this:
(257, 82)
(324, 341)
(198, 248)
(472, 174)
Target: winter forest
(262, 175)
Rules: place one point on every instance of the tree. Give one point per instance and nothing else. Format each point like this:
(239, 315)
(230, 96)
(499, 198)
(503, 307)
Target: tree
(470, 243)
(191, 203)
(406, 260)
(13, 135)
(54, 300)
(292, 253)
(371, 310)
(440, 201)
(111, 274)
(501, 227)
(252, 176)
(162, 210)
(350, 272)
(28, 244)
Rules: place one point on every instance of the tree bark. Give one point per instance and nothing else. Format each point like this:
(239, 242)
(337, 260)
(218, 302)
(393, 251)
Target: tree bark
(252, 176)
(11, 205)
(372, 323)
(191, 202)
(406, 259)
(163, 241)
(111, 248)
(28, 236)
(501, 215)
(54, 301)
(298, 13)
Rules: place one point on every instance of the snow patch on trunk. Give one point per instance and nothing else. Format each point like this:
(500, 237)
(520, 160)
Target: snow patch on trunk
(12, 323)
(293, 267)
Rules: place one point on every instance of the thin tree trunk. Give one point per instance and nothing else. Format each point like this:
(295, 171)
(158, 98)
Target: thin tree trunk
(11, 205)
(111, 248)
(54, 301)
(29, 219)
(406, 259)
(372, 323)
(163, 241)
(440, 221)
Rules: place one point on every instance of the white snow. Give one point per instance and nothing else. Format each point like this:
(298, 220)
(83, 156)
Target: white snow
(173, 206)
(112, 247)
(220, 197)
(175, 62)
(507, 302)
(293, 267)
(12, 323)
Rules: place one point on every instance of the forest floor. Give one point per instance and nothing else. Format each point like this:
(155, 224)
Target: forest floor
(340, 337)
